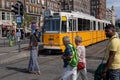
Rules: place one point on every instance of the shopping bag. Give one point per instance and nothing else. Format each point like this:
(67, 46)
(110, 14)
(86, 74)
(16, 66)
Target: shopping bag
(98, 71)
(11, 43)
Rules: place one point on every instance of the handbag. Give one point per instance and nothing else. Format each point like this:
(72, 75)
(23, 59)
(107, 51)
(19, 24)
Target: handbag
(80, 65)
(98, 71)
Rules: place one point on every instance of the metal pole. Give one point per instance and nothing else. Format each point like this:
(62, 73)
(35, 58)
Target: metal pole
(19, 30)
(19, 39)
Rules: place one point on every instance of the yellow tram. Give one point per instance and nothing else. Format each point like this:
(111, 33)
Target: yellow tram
(60, 24)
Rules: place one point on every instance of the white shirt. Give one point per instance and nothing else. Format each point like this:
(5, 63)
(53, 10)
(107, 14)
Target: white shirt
(81, 53)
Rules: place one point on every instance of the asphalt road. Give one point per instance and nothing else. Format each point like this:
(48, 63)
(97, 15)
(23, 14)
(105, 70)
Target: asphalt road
(51, 66)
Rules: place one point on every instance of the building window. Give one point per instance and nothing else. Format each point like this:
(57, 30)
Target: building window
(27, 9)
(3, 3)
(39, 10)
(7, 4)
(36, 10)
(43, 2)
(33, 1)
(3, 15)
(30, 9)
(0, 16)
(38, 1)
(8, 16)
(33, 10)
(12, 3)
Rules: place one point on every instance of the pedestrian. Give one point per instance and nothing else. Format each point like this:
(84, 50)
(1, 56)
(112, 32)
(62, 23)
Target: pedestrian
(82, 54)
(70, 72)
(112, 67)
(11, 37)
(33, 62)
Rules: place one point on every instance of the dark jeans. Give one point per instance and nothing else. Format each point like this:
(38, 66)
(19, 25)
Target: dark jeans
(113, 74)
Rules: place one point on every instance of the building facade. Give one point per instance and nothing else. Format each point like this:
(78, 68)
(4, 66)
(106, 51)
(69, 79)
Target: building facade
(110, 15)
(98, 8)
(7, 18)
(33, 9)
(76, 5)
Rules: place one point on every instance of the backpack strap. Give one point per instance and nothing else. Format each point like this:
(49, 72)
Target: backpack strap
(72, 49)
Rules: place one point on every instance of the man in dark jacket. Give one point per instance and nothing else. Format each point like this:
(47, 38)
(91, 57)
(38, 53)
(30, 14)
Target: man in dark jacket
(69, 71)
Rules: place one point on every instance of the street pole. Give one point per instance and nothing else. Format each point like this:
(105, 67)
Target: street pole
(19, 39)
(19, 25)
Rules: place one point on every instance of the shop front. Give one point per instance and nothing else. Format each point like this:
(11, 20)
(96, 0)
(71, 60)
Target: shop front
(5, 27)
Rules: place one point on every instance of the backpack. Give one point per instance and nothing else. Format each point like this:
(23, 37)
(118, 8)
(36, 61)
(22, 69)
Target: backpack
(74, 61)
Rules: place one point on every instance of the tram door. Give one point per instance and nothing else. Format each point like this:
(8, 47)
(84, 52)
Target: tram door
(72, 28)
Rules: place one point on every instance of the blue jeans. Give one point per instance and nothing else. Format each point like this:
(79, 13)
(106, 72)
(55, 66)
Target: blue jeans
(113, 74)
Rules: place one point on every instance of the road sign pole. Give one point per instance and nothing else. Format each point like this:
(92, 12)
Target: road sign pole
(19, 22)
(19, 42)
(19, 35)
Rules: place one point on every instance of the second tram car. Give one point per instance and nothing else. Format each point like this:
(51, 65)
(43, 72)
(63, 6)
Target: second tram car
(60, 24)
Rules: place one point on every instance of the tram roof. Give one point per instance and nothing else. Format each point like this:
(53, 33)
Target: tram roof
(78, 14)
(104, 21)
(81, 15)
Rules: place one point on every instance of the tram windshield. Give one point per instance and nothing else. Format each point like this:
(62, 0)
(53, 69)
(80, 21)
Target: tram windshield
(52, 24)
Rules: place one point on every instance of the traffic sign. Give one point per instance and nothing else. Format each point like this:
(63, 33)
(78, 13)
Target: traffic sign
(19, 19)
(18, 34)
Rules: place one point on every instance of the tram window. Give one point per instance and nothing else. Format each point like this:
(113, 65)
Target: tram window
(79, 24)
(74, 25)
(52, 24)
(64, 24)
(94, 25)
(70, 24)
(55, 24)
(98, 25)
(91, 25)
(84, 24)
(88, 25)
(103, 26)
